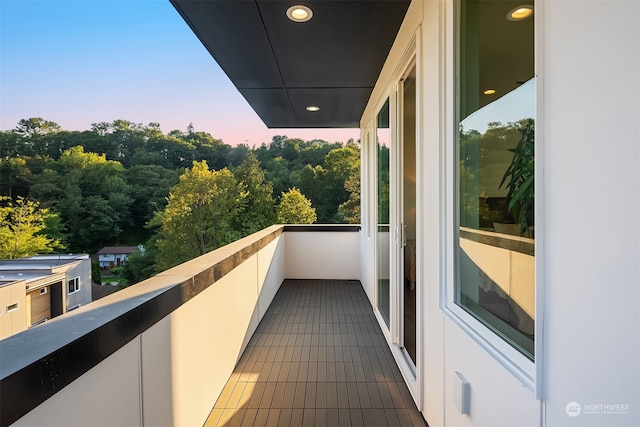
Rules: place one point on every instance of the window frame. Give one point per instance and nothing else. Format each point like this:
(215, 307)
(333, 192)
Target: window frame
(75, 280)
(526, 371)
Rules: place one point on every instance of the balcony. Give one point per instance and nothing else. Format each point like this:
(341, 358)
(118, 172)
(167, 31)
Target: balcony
(244, 335)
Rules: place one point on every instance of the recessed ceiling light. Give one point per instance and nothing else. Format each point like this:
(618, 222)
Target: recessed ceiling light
(313, 108)
(489, 91)
(299, 13)
(521, 12)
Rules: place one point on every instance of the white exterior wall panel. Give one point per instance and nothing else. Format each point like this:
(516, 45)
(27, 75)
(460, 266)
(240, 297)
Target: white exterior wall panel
(590, 113)
(588, 138)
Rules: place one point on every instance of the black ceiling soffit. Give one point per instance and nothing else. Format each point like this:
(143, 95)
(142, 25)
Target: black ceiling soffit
(281, 67)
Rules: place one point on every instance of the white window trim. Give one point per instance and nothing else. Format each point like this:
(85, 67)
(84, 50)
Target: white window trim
(13, 307)
(77, 279)
(527, 372)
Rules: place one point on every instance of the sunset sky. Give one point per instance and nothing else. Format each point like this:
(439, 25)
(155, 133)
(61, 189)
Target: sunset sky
(77, 62)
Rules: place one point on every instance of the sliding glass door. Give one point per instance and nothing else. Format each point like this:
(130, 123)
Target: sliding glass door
(408, 244)
(383, 242)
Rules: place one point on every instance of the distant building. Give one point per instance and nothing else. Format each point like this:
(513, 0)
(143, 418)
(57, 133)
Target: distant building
(38, 288)
(115, 256)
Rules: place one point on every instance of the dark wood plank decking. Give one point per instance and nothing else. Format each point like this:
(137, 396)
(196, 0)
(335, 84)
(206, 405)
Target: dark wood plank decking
(318, 358)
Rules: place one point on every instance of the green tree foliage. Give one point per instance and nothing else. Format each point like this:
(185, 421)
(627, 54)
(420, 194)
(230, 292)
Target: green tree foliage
(343, 177)
(141, 264)
(10, 146)
(200, 214)
(258, 207)
(23, 229)
(295, 208)
(107, 182)
(325, 184)
(149, 185)
(91, 195)
(28, 128)
(36, 135)
(350, 210)
(96, 274)
(15, 177)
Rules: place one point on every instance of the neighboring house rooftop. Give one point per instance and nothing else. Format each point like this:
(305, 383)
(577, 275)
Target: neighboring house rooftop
(37, 270)
(109, 250)
(40, 262)
(60, 257)
(32, 280)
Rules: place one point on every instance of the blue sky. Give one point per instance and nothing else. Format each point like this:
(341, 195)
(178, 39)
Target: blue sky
(77, 62)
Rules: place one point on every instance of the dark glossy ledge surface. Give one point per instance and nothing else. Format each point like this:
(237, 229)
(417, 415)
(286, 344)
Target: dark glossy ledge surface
(37, 363)
(322, 228)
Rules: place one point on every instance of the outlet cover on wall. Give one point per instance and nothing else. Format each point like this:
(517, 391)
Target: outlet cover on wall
(460, 393)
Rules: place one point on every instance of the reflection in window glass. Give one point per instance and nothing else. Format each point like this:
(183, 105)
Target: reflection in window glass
(496, 104)
(383, 135)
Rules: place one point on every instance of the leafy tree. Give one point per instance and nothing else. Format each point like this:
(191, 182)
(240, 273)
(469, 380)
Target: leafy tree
(199, 216)
(28, 128)
(9, 144)
(214, 151)
(350, 210)
(91, 195)
(314, 152)
(96, 275)
(23, 229)
(311, 181)
(35, 135)
(150, 185)
(141, 265)
(291, 149)
(99, 221)
(239, 154)
(258, 211)
(278, 173)
(295, 208)
(15, 177)
(277, 144)
(342, 164)
(176, 152)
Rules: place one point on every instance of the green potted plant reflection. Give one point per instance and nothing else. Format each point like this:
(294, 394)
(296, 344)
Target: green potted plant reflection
(519, 178)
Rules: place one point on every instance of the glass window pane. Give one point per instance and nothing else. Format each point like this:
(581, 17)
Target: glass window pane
(383, 134)
(495, 144)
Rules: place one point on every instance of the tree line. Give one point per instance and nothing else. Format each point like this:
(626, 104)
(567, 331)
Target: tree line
(179, 194)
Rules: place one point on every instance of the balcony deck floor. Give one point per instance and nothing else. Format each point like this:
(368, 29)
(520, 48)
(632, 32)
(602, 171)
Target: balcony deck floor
(318, 358)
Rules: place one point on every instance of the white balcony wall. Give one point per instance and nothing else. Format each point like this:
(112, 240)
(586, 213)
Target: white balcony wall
(106, 395)
(173, 372)
(188, 356)
(325, 255)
